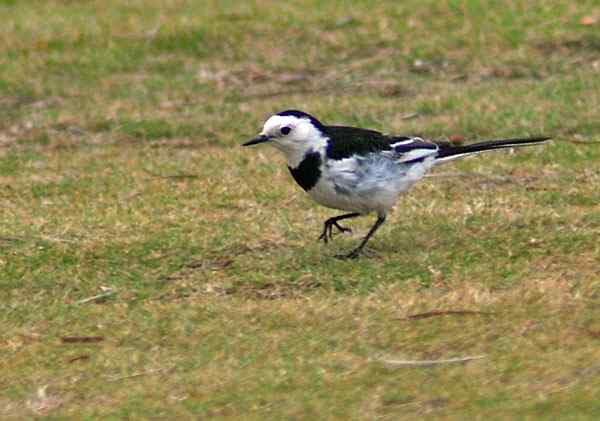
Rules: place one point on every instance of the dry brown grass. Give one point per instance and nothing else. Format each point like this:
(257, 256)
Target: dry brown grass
(120, 171)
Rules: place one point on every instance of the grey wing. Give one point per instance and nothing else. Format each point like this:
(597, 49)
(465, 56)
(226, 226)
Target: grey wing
(345, 174)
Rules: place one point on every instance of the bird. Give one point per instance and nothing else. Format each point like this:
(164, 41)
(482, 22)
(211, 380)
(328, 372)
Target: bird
(360, 171)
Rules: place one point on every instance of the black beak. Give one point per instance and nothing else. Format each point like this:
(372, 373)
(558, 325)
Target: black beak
(258, 139)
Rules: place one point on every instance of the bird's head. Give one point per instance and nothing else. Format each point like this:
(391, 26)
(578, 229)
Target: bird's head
(292, 132)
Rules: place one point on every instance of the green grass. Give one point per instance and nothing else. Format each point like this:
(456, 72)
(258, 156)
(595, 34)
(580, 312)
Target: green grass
(120, 168)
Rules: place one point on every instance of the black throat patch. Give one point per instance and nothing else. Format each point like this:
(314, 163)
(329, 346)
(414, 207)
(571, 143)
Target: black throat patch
(308, 172)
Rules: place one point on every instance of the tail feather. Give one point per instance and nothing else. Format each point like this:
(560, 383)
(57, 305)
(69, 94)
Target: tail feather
(449, 152)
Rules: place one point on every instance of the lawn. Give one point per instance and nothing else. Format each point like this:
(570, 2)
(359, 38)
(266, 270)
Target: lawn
(150, 267)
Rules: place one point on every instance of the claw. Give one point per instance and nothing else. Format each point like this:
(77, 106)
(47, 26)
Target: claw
(342, 229)
(328, 225)
(324, 235)
(327, 233)
(354, 254)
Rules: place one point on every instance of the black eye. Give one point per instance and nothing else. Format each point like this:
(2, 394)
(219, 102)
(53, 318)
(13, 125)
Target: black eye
(285, 130)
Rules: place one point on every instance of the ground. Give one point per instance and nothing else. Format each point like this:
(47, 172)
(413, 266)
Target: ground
(151, 267)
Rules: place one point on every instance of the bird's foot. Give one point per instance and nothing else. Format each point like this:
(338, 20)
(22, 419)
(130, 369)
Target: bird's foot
(354, 254)
(327, 233)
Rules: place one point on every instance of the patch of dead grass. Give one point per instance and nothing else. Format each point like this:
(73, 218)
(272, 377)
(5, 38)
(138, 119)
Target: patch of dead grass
(212, 248)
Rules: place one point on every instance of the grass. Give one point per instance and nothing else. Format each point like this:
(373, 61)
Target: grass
(120, 168)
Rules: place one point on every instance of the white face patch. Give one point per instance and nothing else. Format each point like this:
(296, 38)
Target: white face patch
(294, 137)
(274, 124)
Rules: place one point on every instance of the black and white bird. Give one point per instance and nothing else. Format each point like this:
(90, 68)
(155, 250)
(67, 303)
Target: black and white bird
(358, 170)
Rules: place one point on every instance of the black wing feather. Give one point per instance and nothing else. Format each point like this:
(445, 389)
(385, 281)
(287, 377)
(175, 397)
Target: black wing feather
(345, 142)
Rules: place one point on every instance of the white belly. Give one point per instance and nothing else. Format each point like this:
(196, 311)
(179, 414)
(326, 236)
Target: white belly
(366, 186)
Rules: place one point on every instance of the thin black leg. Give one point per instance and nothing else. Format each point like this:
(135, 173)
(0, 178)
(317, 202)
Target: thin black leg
(333, 222)
(356, 252)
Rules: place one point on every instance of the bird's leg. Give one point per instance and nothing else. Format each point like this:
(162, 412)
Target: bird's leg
(327, 233)
(356, 252)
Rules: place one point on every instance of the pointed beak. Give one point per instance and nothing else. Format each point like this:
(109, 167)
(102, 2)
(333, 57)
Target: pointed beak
(258, 139)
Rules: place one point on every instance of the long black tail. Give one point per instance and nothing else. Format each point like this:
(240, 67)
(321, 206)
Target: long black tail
(449, 152)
